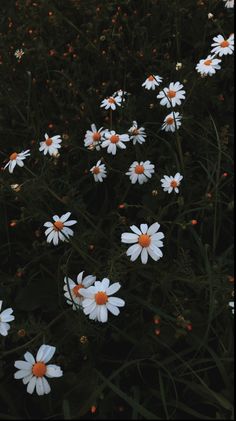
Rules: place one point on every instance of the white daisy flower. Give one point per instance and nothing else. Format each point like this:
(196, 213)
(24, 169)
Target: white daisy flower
(152, 81)
(50, 145)
(16, 159)
(137, 134)
(172, 96)
(94, 137)
(59, 229)
(99, 171)
(72, 289)
(6, 316)
(171, 183)
(172, 122)
(229, 3)
(114, 141)
(147, 241)
(111, 102)
(98, 301)
(33, 372)
(231, 305)
(140, 172)
(223, 46)
(120, 93)
(19, 53)
(208, 66)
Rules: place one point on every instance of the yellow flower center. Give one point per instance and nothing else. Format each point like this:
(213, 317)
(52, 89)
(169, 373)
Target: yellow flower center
(144, 240)
(224, 44)
(174, 184)
(96, 170)
(114, 138)
(39, 369)
(76, 290)
(208, 62)
(170, 120)
(58, 225)
(96, 137)
(171, 94)
(48, 141)
(101, 298)
(139, 169)
(13, 156)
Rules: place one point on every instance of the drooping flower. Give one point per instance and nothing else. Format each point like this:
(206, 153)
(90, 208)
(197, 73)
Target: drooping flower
(99, 171)
(50, 145)
(111, 102)
(229, 4)
(98, 300)
(146, 241)
(223, 46)
(94, 137)
(172, 122)
(6, 316)
(33, 372)
(152, 81)
(172, 96)
(171, 183)
(137, 134)
(113, 141)
(140, 172)
(72, 289)
(16, 159)
(59, 229)
(208, 66)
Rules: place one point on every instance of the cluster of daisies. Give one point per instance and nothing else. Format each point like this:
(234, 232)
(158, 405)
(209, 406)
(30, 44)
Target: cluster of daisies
(221, 46)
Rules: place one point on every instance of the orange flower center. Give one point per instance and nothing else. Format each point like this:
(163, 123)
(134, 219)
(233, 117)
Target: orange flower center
(76, 290)
(135, 132)
(48, 141)
(114, 138)
(144, 240)
(101, 298)
(13, 156)
(208, 62)
(96, 170)
(174, 184)
(170, 120)
(171, 94)
(58, 225)
(111, 100)
(151, 78)
(96, 137)
(224, 44)
(139, 169)
(39, 369)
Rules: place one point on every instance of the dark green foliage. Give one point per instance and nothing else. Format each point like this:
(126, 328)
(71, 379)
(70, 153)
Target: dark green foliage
(76, 54)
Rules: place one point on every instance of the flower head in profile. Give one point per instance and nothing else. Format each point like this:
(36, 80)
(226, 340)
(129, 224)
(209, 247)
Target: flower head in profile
(137, 134)
(152, 82)
(50, 145)
(171, 183)
(111, 102)
(172, 122)
(114, 140)
(33, 371)
(222, 46)
(140, 172)
(172, 96)
(121, 93)
(72, 289)
(6, 316)
(59, 230)
(99, 171)
(146, 242)
(94, 137)
(16, 159)
(229, 4)
(208, 66)
(98, 300)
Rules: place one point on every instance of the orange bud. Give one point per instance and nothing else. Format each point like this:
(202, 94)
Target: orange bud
(194, 222)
